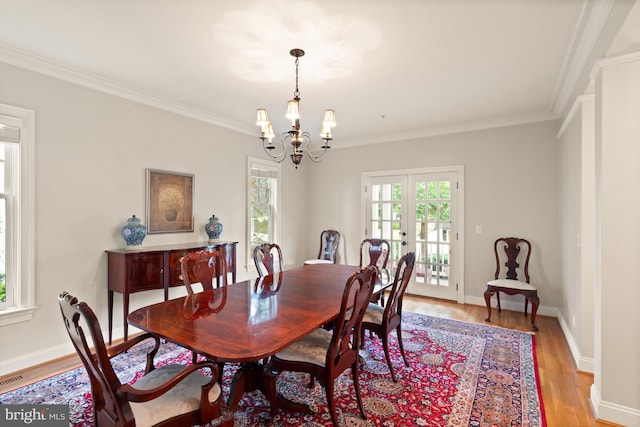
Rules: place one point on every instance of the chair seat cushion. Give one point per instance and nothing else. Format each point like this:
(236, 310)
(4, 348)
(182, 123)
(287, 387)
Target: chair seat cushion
(373, 314)
(310, 349)
(183, 398)
(317, 261)
(511, 284)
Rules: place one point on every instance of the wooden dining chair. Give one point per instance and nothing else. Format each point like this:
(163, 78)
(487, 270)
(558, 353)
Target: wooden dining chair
(170, 395)
(203, 267)
(325, 355)
(382, 321)
(513, 258)
(375, 252)
(265, 257)
(207, 266)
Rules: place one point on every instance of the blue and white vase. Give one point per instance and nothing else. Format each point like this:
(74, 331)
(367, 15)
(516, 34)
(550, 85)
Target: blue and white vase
(213, 228)
(133, 233)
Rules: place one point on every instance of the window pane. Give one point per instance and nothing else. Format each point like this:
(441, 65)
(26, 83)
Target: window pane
(445, 190)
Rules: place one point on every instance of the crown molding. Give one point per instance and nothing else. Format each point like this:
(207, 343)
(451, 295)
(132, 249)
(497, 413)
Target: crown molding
(470, 126)
(68, 74)
(614, 60)
(581, 49)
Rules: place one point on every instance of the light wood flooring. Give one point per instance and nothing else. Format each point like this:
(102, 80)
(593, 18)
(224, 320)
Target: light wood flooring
(565, 391)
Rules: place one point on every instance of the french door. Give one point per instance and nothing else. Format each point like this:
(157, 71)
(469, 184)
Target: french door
(420, 211)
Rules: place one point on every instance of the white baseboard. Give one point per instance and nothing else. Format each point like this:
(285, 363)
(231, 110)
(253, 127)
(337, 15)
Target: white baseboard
(35, 358)
(512, 305)
(611, 412)
(584, 364)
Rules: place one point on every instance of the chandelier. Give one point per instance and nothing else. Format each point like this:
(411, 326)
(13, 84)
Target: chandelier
(294, 137)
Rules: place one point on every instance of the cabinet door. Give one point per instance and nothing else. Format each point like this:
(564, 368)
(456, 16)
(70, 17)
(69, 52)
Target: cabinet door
(145, 271)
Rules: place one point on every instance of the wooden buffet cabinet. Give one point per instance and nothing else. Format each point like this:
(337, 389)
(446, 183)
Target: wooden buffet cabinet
(151, 268)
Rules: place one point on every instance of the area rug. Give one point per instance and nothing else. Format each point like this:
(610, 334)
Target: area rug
(460, 374)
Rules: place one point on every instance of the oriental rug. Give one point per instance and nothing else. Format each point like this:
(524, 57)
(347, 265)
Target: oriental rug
(460, 374)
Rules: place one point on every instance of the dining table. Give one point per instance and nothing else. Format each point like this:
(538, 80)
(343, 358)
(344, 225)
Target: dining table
(248, 321)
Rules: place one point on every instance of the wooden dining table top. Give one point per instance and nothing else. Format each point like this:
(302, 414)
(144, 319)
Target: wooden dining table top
(250, 320)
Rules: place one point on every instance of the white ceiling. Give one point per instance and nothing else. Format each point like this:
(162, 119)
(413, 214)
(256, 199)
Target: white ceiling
(390, 69)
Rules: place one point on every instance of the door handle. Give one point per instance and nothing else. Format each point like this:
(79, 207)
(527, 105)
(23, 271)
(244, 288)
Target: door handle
(404, 243)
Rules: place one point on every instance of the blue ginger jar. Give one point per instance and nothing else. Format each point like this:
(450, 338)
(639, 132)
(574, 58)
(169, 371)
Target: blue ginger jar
(133, 233)
(213, 228)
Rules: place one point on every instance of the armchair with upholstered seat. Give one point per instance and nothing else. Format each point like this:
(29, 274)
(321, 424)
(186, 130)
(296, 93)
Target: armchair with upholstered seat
(171, 395)
(382, 321)
(513, 257)
(323, 354)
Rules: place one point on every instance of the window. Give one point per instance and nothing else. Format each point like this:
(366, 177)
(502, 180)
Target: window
(264, 211)
(16, 214)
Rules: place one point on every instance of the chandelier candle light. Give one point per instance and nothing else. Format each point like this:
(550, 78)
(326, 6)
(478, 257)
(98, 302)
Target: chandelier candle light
(295, 136)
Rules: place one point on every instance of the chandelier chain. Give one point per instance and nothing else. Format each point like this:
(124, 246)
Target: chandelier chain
(296, 94)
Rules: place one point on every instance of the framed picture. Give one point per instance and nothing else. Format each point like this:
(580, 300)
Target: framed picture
(169, 202)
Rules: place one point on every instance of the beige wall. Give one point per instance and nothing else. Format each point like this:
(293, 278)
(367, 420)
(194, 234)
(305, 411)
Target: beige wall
(91, 153)
(510, 190)
(617, 373)
(577, 230)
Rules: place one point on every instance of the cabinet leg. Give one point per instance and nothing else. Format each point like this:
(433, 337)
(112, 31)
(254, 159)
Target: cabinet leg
(110, 305)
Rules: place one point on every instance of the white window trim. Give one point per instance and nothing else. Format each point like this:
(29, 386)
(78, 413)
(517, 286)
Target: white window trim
(249, 264)
(25, 291)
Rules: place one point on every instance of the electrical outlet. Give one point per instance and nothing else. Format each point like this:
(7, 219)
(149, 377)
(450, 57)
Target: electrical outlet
(478, 229)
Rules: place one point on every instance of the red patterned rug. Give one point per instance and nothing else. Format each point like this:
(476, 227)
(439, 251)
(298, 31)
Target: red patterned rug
(460, 374)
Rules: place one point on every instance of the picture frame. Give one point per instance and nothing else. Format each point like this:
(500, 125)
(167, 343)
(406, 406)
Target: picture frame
(169, 201)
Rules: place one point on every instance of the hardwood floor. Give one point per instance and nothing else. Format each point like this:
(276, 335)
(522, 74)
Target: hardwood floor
(565, 391)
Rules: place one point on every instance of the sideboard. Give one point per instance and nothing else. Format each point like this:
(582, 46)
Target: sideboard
(151, 268)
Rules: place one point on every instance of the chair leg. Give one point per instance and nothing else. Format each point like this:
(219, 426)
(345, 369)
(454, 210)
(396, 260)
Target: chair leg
(399, 334)
(331, 402)
(385, 345)
(498, 297)
(356, 384)
(270, 377)
(526, 306)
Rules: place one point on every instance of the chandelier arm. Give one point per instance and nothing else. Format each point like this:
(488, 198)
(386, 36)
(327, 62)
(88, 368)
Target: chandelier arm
(278, 158)
(315, 157)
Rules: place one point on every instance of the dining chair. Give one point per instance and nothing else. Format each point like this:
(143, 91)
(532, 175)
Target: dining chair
(170, 395)
(383, 320)
(375, 252)
(328, 253)
(203, 267)
(514, 257)
(325, 355)
(265, 257)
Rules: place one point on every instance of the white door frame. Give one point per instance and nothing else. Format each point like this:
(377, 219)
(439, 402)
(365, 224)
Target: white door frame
(457, 255)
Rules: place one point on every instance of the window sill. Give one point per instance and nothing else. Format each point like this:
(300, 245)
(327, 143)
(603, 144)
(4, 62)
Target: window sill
(16, 315)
